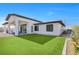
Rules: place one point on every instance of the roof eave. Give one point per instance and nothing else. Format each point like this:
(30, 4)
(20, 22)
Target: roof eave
(5, 23)
(51, 22)
(21, 17)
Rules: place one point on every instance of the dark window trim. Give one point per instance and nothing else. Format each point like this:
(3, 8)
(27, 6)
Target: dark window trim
(36, 28)
(31, 28)
(21, 26)
(49, 27)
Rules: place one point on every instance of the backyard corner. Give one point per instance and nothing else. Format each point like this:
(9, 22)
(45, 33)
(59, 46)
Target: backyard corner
(32, 44)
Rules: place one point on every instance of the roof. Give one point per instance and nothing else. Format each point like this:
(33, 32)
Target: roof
(40, 22)
(44, 23)
(5, 23)
(51, 22)
(21, 17)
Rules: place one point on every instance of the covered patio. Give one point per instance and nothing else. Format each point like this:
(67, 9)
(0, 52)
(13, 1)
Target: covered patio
(15, 27)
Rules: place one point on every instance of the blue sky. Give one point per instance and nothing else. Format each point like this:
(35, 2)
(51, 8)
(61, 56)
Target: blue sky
(68, 13)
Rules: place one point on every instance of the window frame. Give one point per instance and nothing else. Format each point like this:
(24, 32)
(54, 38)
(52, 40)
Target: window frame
(36, 28)
(48, 27)
(31, 28)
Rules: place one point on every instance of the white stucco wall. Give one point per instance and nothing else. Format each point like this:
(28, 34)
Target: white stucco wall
(28, 22)
(57, 29)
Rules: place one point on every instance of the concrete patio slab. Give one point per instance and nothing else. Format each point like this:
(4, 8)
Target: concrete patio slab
(4, 34)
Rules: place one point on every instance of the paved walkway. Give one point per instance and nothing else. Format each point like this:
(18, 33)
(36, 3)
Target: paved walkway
(65, 46)
(68, 46)
(4, 34)
(70, 49)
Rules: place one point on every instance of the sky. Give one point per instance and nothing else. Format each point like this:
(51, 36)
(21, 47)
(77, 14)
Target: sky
(67, 12)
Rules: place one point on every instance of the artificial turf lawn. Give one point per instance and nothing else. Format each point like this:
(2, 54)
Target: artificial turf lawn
(31, 45)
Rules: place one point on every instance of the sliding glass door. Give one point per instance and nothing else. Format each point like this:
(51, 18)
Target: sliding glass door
(23, 29)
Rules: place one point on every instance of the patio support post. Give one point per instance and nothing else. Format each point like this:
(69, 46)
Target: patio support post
(8, 27)
(17, 27)
(4, 28)
(29, 28)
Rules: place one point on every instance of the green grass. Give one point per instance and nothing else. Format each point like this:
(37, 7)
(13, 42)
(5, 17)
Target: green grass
(41, 39)
(32, 45)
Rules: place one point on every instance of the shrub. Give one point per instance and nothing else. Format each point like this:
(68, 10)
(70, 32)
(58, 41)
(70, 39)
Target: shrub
(75, 38)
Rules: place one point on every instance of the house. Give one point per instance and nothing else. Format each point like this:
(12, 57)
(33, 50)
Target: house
(18, 25)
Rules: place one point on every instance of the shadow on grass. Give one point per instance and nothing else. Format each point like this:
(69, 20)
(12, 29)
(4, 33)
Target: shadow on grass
(41, 39)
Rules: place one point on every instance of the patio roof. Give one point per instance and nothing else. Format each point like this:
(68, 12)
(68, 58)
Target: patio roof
(5, 23)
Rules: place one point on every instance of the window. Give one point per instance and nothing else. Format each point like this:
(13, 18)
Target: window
(36, 28)
(49, 27)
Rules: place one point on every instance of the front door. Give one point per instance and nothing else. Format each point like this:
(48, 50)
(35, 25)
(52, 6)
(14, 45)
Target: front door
(23, 29)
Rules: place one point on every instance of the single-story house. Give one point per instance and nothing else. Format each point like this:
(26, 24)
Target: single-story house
(18, 25)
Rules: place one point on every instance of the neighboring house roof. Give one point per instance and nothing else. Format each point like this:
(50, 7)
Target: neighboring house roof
(21, 17)
(51, 22)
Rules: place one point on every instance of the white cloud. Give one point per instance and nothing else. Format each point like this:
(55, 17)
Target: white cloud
(50, 13)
